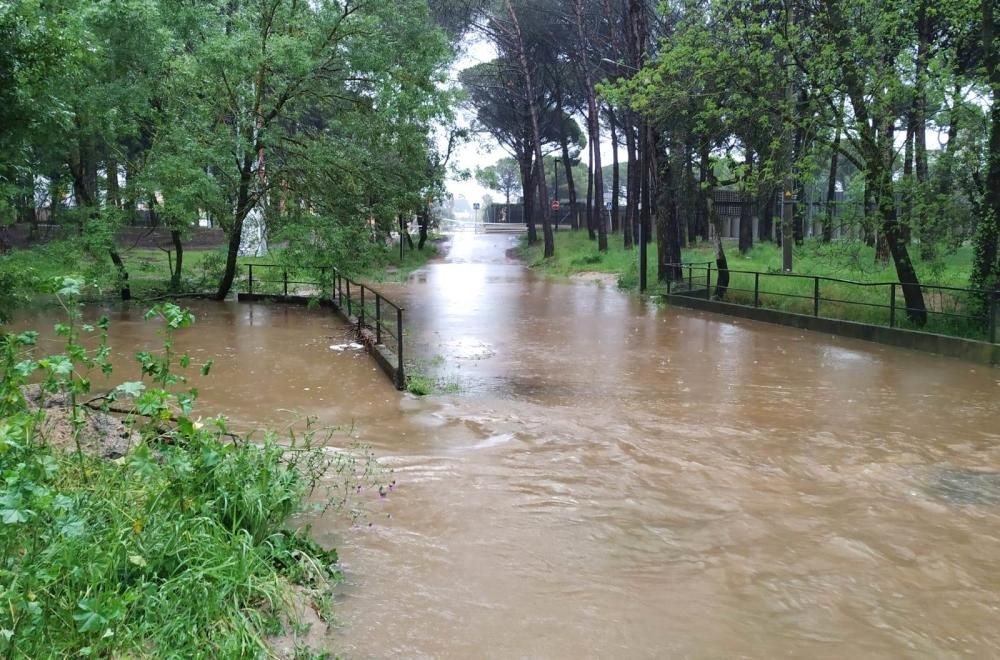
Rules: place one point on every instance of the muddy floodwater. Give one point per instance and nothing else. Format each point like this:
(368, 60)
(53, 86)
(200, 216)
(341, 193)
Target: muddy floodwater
(617, 480)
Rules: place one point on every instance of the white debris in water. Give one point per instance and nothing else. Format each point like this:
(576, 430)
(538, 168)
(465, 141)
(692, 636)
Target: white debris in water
(353, 346)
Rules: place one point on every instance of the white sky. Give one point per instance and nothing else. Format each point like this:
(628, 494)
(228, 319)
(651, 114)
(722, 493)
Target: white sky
(482, 149)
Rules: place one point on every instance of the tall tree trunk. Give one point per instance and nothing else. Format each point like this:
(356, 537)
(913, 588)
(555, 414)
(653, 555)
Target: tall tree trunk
(244, 204)
(424, 221)
(568, 166)
(524, 162)
(746, 217)
(594, 128)
(615, 172)
(647, 174)
(667, 226)
(83, 167)
(536, 134)
(908, 187)
(923, 220)
(831, 183)
(591, 230)
(880, 170)
(175, 277)
(631, 189)
(986, 264)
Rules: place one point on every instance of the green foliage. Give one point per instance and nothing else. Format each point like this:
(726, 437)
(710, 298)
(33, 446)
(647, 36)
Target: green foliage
(176, 549)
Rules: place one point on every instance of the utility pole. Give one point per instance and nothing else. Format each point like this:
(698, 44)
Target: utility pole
(788, 196)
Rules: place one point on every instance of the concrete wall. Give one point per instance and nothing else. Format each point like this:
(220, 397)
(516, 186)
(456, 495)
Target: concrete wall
(966, 349)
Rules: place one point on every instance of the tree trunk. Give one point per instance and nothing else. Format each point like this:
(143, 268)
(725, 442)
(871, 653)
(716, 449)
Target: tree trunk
(831, 187)
(667, 230)
(631, 190)
(722, 282)
(244, 204)
(528, 198)
(175, 277)
(615, 173)
(536, 133)
(908, 187)
(594, 129)
(424, 221)
(746, 218)
(648, 176)
(923, 221)
(881, 170)
(84, 170)
(986, 264)
(570, 183)
(590, 190)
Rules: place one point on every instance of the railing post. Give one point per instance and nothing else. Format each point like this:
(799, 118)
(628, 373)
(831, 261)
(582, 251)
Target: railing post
(285, 277)
(708, 282)
(400, 376)
(756, 289)
(378, 319)
(250, 268)
(816, 297)
(361, 314)
(690, 278)
(994, 300)
(892, 305)
(349, 312)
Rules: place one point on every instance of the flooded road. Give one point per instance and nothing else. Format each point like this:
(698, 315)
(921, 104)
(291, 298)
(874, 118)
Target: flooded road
(620, 481)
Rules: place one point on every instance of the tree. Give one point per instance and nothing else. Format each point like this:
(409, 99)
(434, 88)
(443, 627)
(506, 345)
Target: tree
(502, 176)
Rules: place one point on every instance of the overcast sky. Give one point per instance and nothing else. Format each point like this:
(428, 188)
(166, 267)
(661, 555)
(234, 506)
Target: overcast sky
(483, 150)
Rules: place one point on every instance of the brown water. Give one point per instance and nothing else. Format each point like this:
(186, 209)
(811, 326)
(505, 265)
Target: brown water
(616, 480)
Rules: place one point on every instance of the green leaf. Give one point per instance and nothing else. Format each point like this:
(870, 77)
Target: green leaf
(132, 389)
(13, 516)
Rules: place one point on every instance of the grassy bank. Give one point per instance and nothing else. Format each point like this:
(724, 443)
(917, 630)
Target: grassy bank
(26, 273)
(175, 544)
(575, 253)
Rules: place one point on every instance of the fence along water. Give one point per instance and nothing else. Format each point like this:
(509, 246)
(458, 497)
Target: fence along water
(952, 311)
(373, 316)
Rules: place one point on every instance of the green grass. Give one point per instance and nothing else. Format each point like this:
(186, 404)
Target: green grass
(575, 253)
(177, 549)
(26, 273)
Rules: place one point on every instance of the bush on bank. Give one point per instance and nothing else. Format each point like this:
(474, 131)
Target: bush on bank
(176, 548)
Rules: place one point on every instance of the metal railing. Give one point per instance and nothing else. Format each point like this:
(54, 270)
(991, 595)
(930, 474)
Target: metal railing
(376, 317)
(955, 311)
(374, 313)
(294, 280)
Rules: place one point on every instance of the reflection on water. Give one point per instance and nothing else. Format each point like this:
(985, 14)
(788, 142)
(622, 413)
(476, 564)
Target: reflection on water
(619, 480)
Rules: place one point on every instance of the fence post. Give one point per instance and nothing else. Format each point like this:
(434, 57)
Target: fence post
(400, 376)
(892, 306)
(816, 297)
(361, 314)
(756, 289)
(708, 282)
(250, 267)
(994, 297)
(349, 312)
(690, 278)
(285, 277)
(378, 319)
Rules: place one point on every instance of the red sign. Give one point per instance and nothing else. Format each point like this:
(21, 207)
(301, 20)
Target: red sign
(555, 205)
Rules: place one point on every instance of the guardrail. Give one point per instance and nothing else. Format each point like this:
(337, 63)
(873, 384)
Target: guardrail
(373, 316)
(954, 311)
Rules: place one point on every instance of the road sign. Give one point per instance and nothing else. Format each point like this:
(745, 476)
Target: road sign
(555, 205)
(475, 207)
